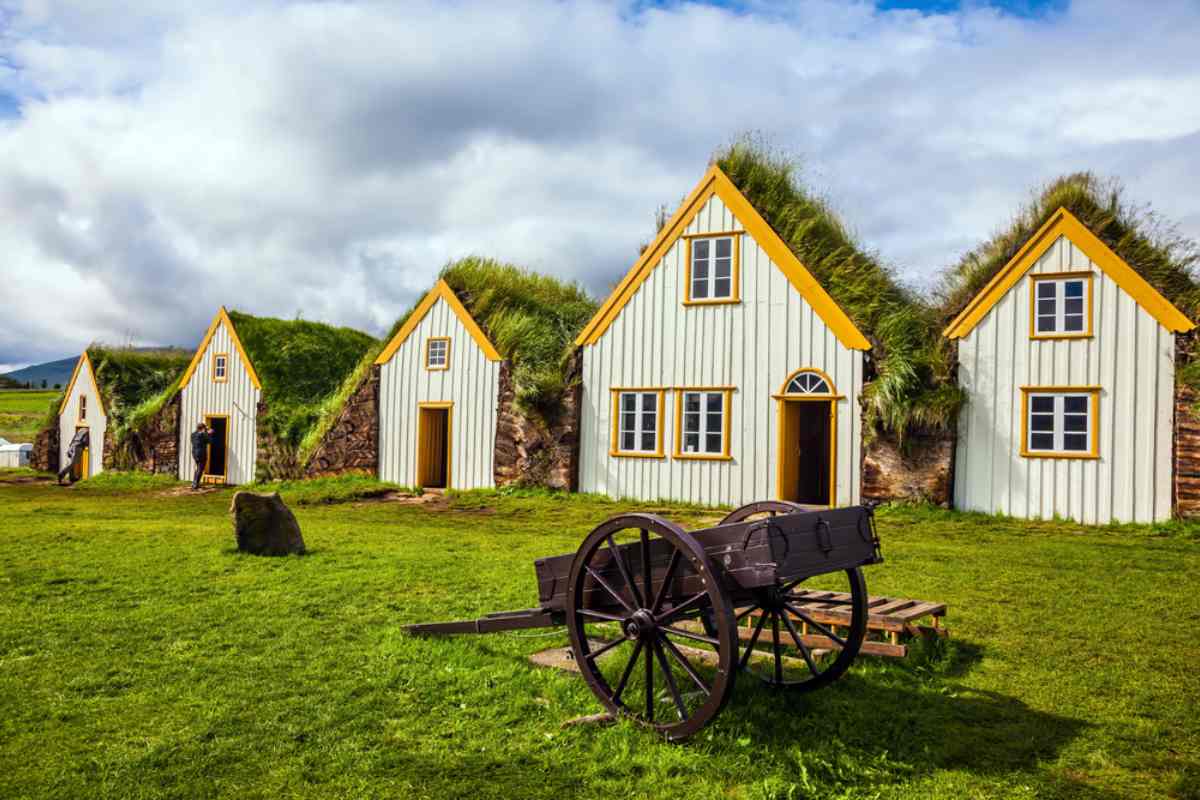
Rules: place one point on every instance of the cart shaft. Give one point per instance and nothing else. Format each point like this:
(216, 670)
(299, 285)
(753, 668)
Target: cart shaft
(492, 623)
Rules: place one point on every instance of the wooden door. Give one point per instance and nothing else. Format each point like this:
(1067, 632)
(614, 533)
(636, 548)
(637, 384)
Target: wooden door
(433, 446)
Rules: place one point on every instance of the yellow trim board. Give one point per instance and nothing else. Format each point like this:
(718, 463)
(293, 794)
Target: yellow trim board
(448, 407)
(429, 344)
(726, 422)
(1094, 391)
(83, 359)
(222, 318)
(716, 182)
(225, 377)
(440, 291)
(782, 478)
(820, 373)
(1064, 224)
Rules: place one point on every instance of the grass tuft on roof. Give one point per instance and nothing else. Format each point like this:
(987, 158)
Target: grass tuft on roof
(913, 387)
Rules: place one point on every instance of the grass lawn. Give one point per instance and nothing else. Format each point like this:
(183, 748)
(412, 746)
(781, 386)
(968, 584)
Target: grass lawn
(22, 413)
(142, 656)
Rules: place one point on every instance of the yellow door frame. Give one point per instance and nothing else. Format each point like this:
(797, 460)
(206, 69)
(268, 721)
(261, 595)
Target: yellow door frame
(85, 458)
(208, 476)
(423, 439)
(781, 479)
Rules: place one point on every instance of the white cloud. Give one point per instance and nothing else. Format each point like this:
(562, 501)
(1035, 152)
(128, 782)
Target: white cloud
(328, 158)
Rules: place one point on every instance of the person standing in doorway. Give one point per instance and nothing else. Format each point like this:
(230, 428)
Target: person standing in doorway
(201, 440)
(75, 449)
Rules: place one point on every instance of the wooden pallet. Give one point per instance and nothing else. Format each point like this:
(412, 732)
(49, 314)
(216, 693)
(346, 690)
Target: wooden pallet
(890, 621)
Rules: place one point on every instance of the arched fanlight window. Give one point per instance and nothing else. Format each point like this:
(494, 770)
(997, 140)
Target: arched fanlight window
(808, 381)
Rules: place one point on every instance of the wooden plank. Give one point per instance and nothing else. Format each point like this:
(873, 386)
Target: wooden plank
(886, 609)
(921, 609)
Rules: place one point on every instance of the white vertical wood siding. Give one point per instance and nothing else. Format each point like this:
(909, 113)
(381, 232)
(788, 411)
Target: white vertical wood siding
(238, 398)
(472, 384)
(97, 423)
(753, 346)
(1130, 356)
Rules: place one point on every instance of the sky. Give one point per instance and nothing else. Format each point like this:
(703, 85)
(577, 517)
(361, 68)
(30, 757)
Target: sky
(326, 159)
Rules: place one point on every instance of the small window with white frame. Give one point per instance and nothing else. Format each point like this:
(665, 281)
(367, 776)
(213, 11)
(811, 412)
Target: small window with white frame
(638, 422)
(83, 408)
(1062, 305)
(437, 353)
(713, 269)
(220, 367)
(703, 423)
(1061, 423)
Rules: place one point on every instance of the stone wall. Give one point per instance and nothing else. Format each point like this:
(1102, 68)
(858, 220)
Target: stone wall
(46, 450)
(1187, 439)
(352, 444)
(274, 460)
(923, 469)
(534, 451)
(154, 447)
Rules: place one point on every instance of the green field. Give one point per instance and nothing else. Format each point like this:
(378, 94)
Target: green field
(22, 413)
(142, 656)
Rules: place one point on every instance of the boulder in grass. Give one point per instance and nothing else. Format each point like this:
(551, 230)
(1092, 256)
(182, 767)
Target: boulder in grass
(265, 526)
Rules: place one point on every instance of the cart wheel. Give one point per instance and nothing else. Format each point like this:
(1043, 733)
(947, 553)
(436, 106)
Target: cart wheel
(636, 581)
(819, 653)
(764, 507)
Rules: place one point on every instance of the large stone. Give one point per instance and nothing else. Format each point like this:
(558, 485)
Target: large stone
(923, 470)
(265, 526)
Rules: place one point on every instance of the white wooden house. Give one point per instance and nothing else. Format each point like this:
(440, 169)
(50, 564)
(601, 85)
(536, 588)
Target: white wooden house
(220, 387)
(1067, 358)
(438, 398)
(719, 371)
(83, 407)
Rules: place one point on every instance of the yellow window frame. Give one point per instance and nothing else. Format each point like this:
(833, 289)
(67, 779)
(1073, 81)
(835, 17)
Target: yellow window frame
(735, 274)
(220, 378)
(615, 412)
(1088, 277)
(1094, 422)
(428, 349)
(81, 409)
(726, 423)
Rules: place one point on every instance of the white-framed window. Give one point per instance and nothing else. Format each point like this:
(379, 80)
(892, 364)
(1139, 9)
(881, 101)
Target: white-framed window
(220, 367)
(1061, 422)
(1062, 306)
(82, 407)
(712, 274)
(638, 422)
(437, 353)
(703, 423)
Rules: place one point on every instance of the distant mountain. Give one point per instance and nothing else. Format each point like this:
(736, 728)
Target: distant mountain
(51, 372)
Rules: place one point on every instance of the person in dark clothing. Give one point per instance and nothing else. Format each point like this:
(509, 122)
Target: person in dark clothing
(201, 439)
(79, 443)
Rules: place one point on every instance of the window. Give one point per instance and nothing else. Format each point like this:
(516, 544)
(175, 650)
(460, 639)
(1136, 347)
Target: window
(1062, 305)
(702, 423)
(808, 382)
(1061, 422)
(713, 269)
(82, 407)
(437, 353)
(220, 368)
(637, 423)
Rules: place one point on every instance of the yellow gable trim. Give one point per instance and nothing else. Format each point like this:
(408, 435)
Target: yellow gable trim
(83, 359)
(1065, 224)
(440, 291)
(716, 182)
(222, 318)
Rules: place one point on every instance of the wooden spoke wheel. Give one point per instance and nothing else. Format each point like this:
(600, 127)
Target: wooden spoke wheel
(763, 508)
(802, 649)
(634, 583)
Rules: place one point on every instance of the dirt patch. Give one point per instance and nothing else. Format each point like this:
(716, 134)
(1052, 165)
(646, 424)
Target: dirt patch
(180, 491)
(26, 480)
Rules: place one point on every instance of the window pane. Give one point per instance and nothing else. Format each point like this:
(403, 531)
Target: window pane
(1075, 442)
(700, 289)
(1073, 289)
(691, 423)
(691, 402)
(628, 422)
(1073, 324)
(699, 249)
(649, 402)
(715, 401)
(1045, 325)
(1073, 306)
(724, 248)
(628, 440)
(1041, 422)
(691, 443)
(1075, 405)
(723, 267)
(724, 288)
(1041, 441)
(1042, 404)
(629, 402)
(700, 271)
(1075, 423)
(648, 442)
(1045, 289)
(1046, 307)
(712, 443)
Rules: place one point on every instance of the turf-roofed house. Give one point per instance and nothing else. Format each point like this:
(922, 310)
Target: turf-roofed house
(731, 363)
(1075, 353)
(259, 384)
(475, 387)
(106, 395)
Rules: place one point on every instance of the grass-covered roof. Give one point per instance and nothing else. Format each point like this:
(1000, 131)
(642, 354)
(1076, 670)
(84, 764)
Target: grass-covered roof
(531, 319)
(913, 386)
(1156, 250)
